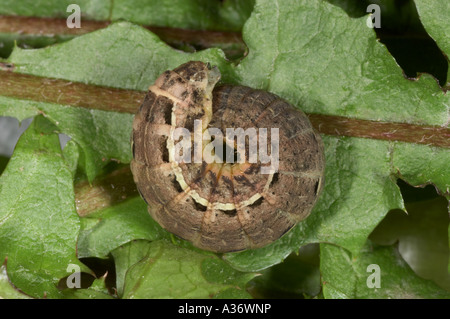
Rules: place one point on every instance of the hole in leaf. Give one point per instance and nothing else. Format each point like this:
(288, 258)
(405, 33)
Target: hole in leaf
(297, 277)
(404, 36)
(421, 235)
(85, 281)
(407, 40)
(414, 194)
(99, 267)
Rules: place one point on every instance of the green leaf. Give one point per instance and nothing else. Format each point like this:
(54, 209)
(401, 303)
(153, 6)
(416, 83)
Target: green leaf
(101, 135)
(199, 15)
(312, 54)
(188, 14)
(309, 60)
(112, 227)
(434, 17)
(97, 290)
(126, 256)
(344, 276)
(421, 164)
(87, 293)
(98, 9)
(38, 221)
(298, 276)
(324, 61)
(103, 54)
(162, 270)
(340, 216)
(9, 40)
(422, 238)
(71, 154)
(7, 289)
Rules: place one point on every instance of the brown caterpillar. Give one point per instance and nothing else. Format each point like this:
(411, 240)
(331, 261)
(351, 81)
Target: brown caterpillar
(223, 207)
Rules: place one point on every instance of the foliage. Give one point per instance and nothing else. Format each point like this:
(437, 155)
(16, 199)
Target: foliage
(312, 53)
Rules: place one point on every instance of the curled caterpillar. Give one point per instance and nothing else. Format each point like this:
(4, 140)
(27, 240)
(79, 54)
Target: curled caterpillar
(224, 192)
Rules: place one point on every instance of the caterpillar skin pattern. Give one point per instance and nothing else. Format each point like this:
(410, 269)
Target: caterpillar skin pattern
(223, 207)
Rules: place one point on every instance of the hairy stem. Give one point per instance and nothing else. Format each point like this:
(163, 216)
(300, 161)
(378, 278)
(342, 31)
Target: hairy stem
(28, 87)
(230, 42)
(128, 101)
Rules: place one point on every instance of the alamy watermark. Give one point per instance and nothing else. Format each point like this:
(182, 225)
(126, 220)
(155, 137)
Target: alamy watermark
(228, 148)
(374, 19)
(73, 280)
(374, 279)
(74, 20)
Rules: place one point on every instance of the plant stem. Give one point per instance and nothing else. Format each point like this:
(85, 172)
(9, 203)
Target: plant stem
(128, 101)
(230, 42)
(29, 87)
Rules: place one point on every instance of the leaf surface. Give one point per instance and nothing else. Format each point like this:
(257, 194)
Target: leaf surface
(38, 221)
(346, 277)
(312, 54)
(162, 270)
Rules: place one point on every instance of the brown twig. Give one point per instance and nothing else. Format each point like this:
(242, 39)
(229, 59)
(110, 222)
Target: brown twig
(388, 131)
(28, 87)
(127, 101)
(199, 39)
